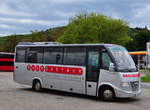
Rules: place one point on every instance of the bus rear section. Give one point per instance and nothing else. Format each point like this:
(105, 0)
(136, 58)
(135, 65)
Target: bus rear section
(45, 64)
(102, 70)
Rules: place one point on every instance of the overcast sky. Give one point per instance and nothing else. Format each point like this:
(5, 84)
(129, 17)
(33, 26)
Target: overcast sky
(21, 16)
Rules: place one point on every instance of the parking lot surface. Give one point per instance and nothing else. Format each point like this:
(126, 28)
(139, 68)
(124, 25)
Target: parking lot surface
(15, 96)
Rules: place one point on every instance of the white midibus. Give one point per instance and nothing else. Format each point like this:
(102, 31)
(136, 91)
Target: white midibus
(102, 70)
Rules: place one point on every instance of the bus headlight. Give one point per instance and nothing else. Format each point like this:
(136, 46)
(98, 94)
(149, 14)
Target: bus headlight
(124, 85)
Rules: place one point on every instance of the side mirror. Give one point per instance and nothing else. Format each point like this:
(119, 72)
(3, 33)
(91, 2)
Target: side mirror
(112, 67)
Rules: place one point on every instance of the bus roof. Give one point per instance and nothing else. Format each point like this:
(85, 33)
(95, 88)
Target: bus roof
(34, 44)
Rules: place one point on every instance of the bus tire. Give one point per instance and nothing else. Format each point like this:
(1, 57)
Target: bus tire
(107, 94)
(36, 86)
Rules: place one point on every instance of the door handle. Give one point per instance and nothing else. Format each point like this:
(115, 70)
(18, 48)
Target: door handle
(89, 85)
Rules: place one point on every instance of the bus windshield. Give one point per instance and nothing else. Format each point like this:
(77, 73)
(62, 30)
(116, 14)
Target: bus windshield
(122, 58)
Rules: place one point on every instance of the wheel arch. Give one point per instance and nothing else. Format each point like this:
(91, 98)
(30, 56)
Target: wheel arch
(37, 79)
(100, 88)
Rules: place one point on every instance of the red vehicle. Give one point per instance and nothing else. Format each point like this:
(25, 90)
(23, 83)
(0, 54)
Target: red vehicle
(6, 61)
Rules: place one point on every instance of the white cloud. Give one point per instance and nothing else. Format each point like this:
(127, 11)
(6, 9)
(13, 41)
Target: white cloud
(42, 22)
(112, 13)
(72, 1)
(65, 14)
(7, 26)
(34, 21)
(4, 33)
(142, 12)
(141, 24)
(41, 14)
(140, 15)
(7, 11)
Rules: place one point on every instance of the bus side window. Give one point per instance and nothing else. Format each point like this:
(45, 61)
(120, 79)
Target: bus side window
(34, 55)
(105, 61)
(20, 54)
(74, 56)
(53, 55)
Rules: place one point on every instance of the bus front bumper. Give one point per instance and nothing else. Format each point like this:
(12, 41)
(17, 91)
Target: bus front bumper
(127, 94)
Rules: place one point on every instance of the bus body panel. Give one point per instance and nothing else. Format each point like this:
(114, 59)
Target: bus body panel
(21, 75)
(91, 88)
(109, 78)
(74, 83)
(51, 80)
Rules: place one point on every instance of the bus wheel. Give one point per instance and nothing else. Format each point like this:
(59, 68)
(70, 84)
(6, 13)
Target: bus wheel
(36, 86)
(107, 94)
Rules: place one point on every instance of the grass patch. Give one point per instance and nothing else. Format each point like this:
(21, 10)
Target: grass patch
(145, 78)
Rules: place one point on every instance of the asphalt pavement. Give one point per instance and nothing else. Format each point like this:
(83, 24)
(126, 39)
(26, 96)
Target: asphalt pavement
(15, 96)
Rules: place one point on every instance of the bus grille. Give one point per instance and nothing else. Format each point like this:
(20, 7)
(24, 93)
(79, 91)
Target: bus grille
(135, 85)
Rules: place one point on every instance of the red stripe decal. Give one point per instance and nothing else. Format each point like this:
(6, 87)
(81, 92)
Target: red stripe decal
(56, 69)
(131, 75)
(64, 70)
(6, 59)
(7, 68)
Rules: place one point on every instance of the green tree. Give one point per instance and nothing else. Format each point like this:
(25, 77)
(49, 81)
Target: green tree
(95, 28)
(11, 43)
(141, 39)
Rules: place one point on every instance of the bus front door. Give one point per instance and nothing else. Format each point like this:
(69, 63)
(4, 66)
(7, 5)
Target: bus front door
(92, 72)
